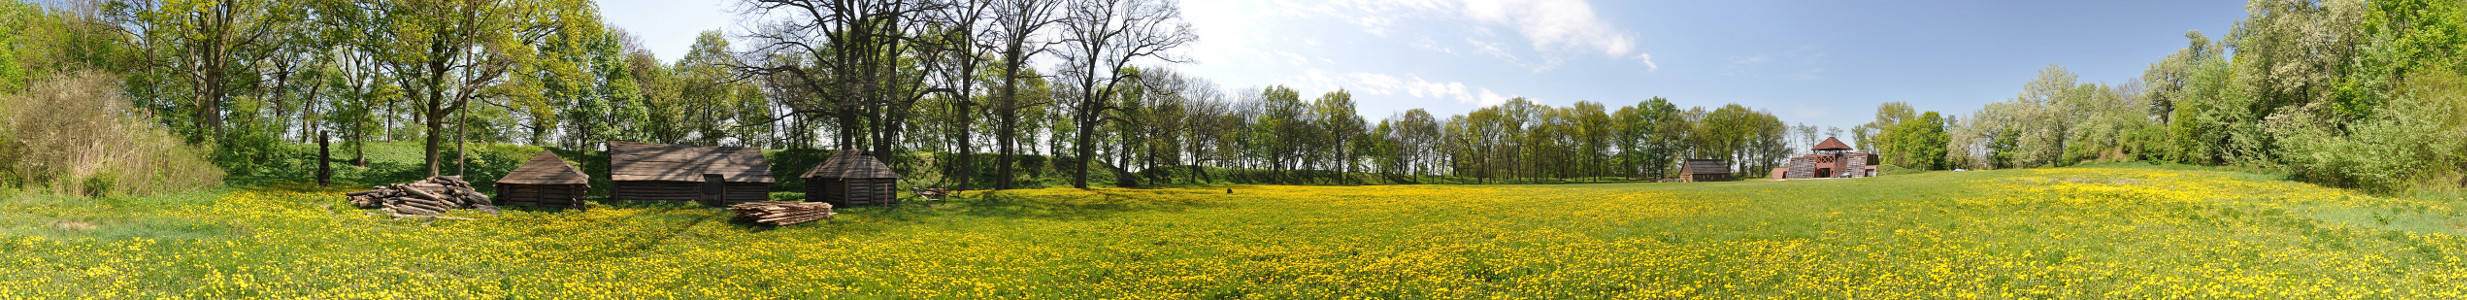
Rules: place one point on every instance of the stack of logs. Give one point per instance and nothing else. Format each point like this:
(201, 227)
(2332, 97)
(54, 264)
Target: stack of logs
(777, 213)
(427, 197)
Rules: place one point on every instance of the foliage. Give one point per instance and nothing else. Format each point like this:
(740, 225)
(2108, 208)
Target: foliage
(75, 134)
(1917, 143)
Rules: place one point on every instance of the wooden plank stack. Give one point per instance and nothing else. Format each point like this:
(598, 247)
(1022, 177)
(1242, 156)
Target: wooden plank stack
(427, 197)
(779, 213)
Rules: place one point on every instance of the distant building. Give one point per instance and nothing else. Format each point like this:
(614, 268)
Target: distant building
(1831, 160)
(1695, 170)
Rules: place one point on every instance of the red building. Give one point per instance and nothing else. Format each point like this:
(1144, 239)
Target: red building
(1832, 159)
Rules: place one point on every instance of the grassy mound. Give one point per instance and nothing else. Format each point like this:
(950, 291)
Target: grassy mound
(75, 134)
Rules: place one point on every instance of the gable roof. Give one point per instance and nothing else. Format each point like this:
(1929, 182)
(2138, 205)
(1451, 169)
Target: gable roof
(628, 161)
(546, 168)
(1831, 144)
(1707, 166)
(851, 164)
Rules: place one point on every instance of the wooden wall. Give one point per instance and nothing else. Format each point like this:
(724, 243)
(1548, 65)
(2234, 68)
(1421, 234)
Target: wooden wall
(852, 192)
(738, 192)
(542, 195)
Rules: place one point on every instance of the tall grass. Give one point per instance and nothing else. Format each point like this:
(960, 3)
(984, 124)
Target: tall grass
(76, 134)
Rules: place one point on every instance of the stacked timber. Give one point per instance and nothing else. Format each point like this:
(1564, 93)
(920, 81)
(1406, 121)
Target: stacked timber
(777, 213)
(427, 197)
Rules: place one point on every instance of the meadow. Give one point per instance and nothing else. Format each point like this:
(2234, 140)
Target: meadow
(2115, 231)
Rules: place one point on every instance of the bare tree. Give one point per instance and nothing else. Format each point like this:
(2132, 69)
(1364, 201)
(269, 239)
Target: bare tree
(1102, 39)
(1014, 33)
(851, 53)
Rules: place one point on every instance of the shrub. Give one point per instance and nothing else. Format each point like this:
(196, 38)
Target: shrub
(77, 134)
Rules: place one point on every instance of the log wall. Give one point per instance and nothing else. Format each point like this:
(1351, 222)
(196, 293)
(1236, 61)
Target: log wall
(852, 192)
(542, 195)
(738, 192)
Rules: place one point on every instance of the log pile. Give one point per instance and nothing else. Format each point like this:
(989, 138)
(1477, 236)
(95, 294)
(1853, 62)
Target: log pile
(777, 213)
(427, 197)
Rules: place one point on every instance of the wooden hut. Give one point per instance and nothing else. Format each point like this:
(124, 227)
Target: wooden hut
(851, 178)
(545, 181)
(1832, 159)
(1695, 170)
(715, 176)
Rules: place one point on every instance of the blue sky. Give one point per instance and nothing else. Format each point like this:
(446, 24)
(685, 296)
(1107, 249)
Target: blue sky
(1825, 63)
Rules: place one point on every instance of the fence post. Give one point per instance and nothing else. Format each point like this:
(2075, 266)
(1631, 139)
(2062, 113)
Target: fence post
(325, 160)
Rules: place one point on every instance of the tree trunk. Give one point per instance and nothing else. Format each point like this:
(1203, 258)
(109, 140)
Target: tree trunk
(1079, 165)
(429, 146)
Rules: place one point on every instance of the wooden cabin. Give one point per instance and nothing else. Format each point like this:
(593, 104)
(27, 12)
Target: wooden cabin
(545, 181)
(1832, 159)
(715, 176)
(1695, 170)
(850, 178)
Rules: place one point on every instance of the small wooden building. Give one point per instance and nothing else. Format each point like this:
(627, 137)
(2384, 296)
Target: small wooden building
(1832, 159)
(715, 176)
(851, 178)
(1694, 170)
(545, 181)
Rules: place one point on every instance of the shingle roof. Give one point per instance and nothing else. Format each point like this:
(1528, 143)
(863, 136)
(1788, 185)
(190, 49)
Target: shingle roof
(629, 161)
(851, 164)
(1832, 144)
(1708, 166)
(546, 168)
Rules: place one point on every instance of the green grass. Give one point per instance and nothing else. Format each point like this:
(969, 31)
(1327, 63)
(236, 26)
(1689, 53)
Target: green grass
(2103, 231)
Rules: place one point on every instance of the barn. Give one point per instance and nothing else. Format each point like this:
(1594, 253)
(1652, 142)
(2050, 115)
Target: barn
(545, 181)
(715, 176)
(851, 178)
(1694, 170)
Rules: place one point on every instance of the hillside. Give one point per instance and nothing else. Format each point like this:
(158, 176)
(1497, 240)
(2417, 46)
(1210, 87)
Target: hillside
(2095, 232)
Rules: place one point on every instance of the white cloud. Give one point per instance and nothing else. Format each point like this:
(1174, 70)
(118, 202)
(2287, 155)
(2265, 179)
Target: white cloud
(1297, 59)
(1489, 99)
(1553, 23)
(1804, 63)
(1388, 85)
(1553, 28)
(1649, 65)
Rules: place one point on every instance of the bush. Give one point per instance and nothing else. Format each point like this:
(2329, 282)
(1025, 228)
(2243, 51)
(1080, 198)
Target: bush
(76, 134)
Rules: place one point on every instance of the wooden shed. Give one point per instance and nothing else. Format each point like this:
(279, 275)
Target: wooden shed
(545, 181)
(1832, 159)
(851, 178)
(1695, 170)
(715, 176)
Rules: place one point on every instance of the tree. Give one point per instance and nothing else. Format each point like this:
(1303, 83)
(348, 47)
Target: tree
(1416, 138)
(1015, 26)
(1103, 38)
(205, 45)
(1334, 113)
(447, 54)
(1917, 143)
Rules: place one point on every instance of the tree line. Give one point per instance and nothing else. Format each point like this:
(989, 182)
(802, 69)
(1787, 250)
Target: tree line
(957, 77)
(2363, 94)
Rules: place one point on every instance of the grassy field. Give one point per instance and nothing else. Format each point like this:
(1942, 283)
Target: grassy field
(2098, 232)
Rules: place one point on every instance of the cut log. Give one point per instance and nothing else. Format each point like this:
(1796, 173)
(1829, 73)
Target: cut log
(782, 213)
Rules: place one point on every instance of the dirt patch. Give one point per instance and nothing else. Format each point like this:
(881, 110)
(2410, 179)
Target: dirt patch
(72, 225)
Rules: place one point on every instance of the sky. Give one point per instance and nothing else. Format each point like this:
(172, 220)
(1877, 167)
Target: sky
(1823, 63)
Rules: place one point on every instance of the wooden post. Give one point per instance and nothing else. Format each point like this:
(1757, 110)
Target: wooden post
(325, 160)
